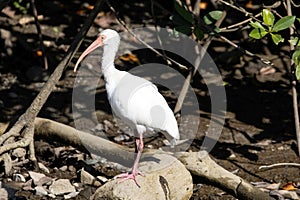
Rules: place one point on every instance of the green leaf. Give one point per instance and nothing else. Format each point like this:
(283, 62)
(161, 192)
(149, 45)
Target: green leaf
(212, 17)
(276, 38)
(187, 15)
(178, 20)
(199, 33)
(257, 25)
(185, 29)
(298, 19)
(295, 41)
(268, 17)
(296, 57)
(284, 23)
(298, 72)
(258, 33)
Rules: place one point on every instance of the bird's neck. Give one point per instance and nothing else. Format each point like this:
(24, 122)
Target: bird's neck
(109, 54)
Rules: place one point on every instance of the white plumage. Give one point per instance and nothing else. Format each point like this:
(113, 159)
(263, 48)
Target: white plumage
(134, 100)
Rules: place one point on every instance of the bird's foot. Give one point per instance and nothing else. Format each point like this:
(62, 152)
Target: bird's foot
(127, 176)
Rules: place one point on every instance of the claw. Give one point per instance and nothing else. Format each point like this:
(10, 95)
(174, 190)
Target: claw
(127, 176)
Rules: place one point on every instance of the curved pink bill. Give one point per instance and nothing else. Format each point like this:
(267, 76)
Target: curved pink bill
(97, 43)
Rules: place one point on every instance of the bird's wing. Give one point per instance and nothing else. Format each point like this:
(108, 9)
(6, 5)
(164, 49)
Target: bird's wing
(138, 102)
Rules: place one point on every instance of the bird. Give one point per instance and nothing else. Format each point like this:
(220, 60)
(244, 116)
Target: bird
(135, 100)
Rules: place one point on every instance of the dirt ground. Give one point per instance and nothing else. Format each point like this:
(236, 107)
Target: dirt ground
(259, 126)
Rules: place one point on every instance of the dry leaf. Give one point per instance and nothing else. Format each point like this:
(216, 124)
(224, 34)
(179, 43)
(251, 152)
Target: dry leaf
(289, 186)
(132, 58)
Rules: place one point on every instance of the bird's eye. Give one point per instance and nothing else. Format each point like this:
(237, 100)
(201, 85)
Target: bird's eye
(103, 37)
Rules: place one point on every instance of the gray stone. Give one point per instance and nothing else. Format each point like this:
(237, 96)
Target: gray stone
(86, 178)
(102, 179)
(165, 178)
(61, 186)
(27, 186)
(45, 181)
(52, 196)
(40, 191)
(63, 168)
(121, 138)
(36, 176)
(71, 195)
(43, 168)
(19, 152)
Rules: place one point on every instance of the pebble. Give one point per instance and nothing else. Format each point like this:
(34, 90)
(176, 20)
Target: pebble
(36, 176)
(121, 138)
(107, 125)
(98, 127)
(71, 195)
(166, 142)
(27, 185)
(102, 179)
(71, 168)
(63, 168)
(19, 152)
(18, 178)
(43, 168)
(61, 186)
(40, 191)
(86, 178)
(77, 185)
(52, 196)
(45, 181)
(97, 184)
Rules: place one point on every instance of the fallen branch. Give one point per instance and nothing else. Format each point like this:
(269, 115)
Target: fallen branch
(198, 163)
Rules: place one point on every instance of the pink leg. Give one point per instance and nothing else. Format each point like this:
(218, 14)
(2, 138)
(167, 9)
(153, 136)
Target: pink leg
(138, 148)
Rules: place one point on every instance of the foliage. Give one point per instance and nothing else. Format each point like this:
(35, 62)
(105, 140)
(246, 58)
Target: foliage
(269, 26)
(187, 23)
(22, 6)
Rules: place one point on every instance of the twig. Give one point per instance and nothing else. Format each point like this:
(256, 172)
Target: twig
(229, 28)
(38, 28)
(296, 5)
(192, 72)
(240, 9)
(294, 82)
(196, 10)
(279, 165)
(20, 163)
(264, 61)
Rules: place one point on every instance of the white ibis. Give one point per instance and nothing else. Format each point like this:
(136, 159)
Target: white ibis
(146, 108)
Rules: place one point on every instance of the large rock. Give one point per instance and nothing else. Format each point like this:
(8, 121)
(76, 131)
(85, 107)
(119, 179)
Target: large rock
(165, 178)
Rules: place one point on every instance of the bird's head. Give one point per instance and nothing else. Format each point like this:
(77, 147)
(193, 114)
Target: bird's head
(105, 37)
